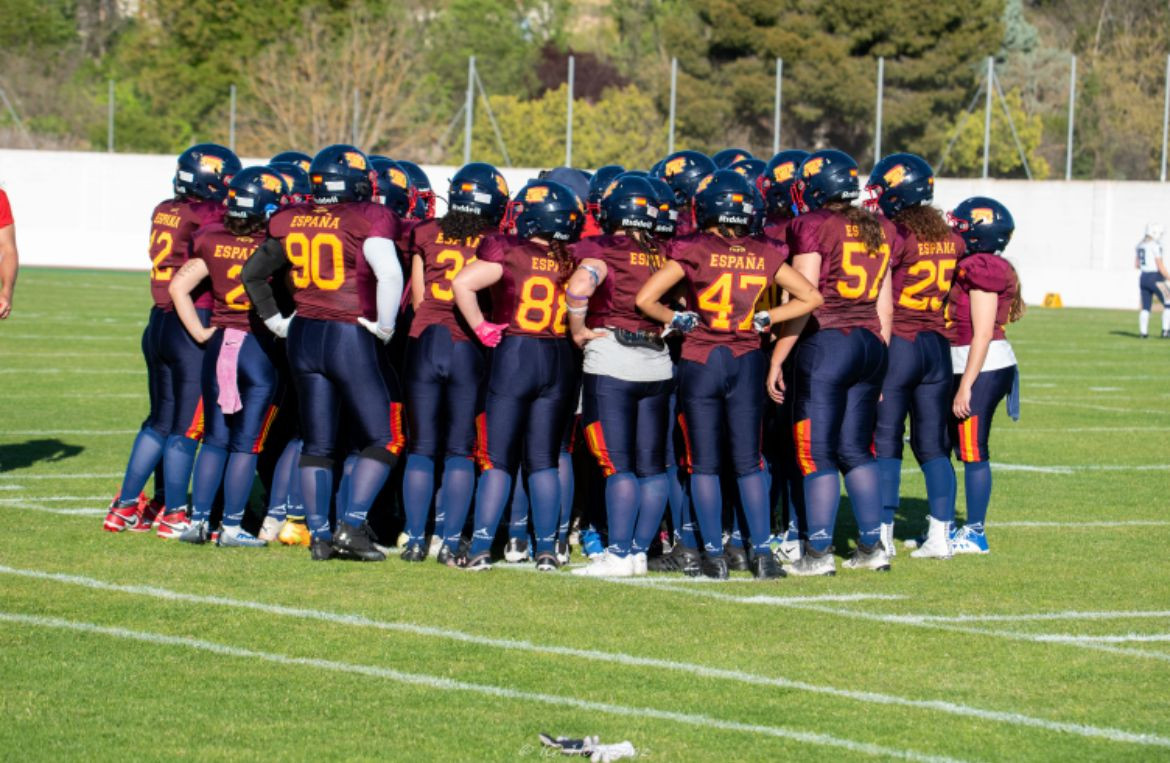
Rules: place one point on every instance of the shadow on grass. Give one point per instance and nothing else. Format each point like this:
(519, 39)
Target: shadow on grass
(21, 455)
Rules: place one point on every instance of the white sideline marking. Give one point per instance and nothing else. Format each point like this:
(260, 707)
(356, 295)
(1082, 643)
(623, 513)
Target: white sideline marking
(1039, 616)
(1107, 408)
(71, 476)
(74, 432)
(447, 684)
(1030, 430)
(11, 487)
(1145, 637)
(53, 498)
(69, 512)
(951, 708)
(100, 355)
(91, 338)
(1105, 389)
(112, 395)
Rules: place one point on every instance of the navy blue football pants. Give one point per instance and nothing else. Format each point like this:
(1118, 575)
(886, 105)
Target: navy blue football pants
(177, 392)
(722, 401)
(245, 430)
(835, 393)
(626, 424)
(917, 382)
(444, 379)
(971, 434)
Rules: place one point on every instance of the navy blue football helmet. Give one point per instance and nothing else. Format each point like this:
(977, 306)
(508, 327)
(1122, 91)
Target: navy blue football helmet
(204, 171)
(628, 202)
(749, 168)
(667, 219)
(393, 185)
(983, 223)
(341, 173)
(729, 156)
(598, 183)
(825, 176)
(547, 209)
(724, 198)
(777, 178)
(293, 157)
(255, 192)
(682, 171)
(422, 206)
(479, 189)
(296, 180)
(899, 181)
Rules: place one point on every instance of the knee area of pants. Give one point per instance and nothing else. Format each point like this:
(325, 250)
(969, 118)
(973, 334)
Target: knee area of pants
(925, 456)
(848, 464)
(379, 453)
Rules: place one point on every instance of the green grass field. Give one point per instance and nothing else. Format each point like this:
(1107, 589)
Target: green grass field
(1054, 647)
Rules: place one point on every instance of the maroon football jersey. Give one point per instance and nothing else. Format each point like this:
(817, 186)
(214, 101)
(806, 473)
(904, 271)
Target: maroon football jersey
(921, 273)
(172, 224)
(225, 254)
(324, 245)
(984, 272)
(627, 268)
(442, 258)
(530, 297)
(685, 225)
(725, 280)
(851, 276)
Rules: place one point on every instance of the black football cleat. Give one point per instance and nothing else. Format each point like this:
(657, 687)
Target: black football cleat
(321, 550)
(356, 542)
(679, 559)
(737, 558)
(714, 567)
(547, 562)
(765, 567)
(414, 552)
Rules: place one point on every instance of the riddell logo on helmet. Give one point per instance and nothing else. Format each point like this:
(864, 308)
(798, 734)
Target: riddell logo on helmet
(211, 164)
(982, 215)
(355, 160)
(674, 166)
(813, 166)
(536, 193)
(895, 176)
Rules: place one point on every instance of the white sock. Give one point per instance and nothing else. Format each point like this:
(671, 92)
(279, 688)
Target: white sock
(1144, 322)
(1165, 319)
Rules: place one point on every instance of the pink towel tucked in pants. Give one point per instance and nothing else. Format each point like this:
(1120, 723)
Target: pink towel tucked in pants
(225, 370)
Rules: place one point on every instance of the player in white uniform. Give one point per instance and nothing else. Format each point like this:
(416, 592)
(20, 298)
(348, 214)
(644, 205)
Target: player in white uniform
(1153, 279)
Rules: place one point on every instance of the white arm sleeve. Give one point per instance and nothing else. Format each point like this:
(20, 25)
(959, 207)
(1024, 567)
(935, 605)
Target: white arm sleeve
(383, 259)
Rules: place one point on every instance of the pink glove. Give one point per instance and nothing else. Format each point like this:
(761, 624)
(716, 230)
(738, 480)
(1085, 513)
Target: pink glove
(490, 333)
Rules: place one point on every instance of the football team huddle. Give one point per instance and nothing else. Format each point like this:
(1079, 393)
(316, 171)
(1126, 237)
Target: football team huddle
(728, 337)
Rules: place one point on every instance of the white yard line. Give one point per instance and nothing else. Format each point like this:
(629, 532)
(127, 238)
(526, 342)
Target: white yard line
(65, 432)
(1122, 614)
(70, 476)
(86, 371)
(54, 498)
(875, 698)
(1083, 525)
(1088, 406)
(447, 684)
(1127, 638)
(79, 511)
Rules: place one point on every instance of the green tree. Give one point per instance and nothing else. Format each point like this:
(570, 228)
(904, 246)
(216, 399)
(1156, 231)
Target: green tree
(965, 157)
(622, 127)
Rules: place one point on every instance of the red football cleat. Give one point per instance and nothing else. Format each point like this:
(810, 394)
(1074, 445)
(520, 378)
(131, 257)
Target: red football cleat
(149, 511)
(173, 524)
(122, 515)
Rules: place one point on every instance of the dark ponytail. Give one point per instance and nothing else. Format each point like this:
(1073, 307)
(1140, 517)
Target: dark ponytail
(560, 253)
(243, 226)
(462, 226)
(647, 245)
(1018, 308)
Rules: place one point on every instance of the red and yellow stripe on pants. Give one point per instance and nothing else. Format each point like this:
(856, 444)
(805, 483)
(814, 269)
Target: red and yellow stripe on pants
(802, 435)
(481, 443)
(596, 440)
(969, 440)
(397, 431)
(258, 443)
(688, 461)
(195, 428)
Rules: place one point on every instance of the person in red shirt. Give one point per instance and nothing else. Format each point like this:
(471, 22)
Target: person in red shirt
(984, 299)
(840, 361)
(9, 260)
(334, 247)
(445, 363)
(533, 383)
(240, 380)
(918, 382)
(171, 432)
(722, 368)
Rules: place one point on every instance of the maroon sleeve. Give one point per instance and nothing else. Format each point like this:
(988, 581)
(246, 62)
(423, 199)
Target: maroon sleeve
(383, 222)
(492, 249)
(587, 248)
(985, 272)
(685, 256)
(802, 236)
(900, 246)
(5, 210)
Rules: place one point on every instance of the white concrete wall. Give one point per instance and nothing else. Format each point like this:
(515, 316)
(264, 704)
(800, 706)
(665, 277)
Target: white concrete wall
(1076, 238)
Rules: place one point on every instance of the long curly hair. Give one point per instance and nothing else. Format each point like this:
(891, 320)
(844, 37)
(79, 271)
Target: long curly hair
(927, 223)
(867, 223)
(460, 226)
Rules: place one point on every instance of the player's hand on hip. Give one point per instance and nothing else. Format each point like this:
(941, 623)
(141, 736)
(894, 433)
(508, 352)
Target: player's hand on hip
(962, 405)
(384, 334)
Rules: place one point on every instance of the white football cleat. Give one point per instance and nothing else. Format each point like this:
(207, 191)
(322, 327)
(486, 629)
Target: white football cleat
(607, 566)
(270, 529)
(887, 534)
(640, 563)
(937, 544)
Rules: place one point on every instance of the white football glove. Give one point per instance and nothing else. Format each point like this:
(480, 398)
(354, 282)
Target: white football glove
(278, 324)
(762, 321)
(384, 335)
